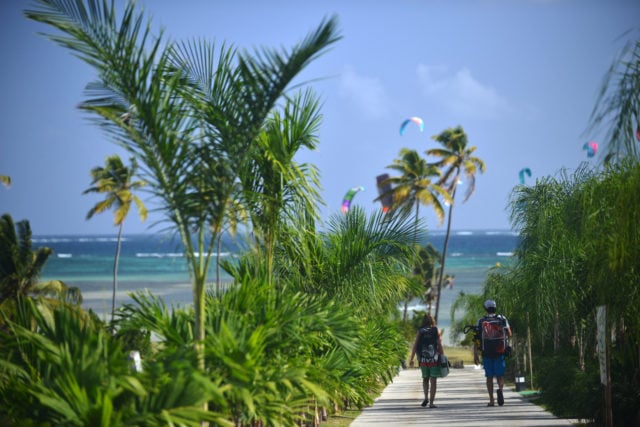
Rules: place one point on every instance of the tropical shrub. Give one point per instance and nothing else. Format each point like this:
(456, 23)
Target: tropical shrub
(579, 249)
(60, 367)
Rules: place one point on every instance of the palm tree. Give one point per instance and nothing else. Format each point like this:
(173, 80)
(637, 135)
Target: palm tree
(413, 187)
(458, 159)
(185, 101)
(618, 104)
(21, 266)
(428, 258)
(115, 181)
(274, 184)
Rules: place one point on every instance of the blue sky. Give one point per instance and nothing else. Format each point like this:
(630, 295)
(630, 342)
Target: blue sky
(520, 76)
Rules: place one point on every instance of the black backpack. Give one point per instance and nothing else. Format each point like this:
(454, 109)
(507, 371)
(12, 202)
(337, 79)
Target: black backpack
(428, 350)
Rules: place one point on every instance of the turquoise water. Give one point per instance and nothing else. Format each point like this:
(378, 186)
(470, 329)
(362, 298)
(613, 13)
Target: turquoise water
(155, 262)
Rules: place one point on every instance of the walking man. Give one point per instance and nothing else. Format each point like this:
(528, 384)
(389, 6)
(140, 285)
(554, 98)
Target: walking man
(493, 331)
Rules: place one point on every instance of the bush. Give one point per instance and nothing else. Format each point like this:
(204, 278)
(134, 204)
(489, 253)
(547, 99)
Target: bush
(566, 390)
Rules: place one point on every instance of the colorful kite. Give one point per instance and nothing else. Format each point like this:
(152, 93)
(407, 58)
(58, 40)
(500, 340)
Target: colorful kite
(384, 191)
(346, 202)
(591, 147)
(416, 120)
(524, 171)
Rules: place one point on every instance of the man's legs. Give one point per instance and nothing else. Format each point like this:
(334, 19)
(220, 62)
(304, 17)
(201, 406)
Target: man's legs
(490, 390)
(495, 368)
(500, 381)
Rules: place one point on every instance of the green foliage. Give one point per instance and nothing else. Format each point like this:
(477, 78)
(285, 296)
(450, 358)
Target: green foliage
(271, 353)
(60, 367)
(625, 370)
(580, 242)
(567, 391)
(310, 319)
(618, 104)
(471, 306)
(190, 114)
(20, 269)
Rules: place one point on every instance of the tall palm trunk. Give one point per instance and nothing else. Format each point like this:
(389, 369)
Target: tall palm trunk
(218, 280)
(115, 274)
(415, 239)
(444, 249)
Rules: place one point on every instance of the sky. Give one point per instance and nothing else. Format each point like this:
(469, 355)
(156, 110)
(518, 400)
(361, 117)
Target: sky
(520, 76)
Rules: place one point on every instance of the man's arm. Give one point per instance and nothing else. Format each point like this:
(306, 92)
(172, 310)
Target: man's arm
(476, 358)
(507, 326)
(476, 350)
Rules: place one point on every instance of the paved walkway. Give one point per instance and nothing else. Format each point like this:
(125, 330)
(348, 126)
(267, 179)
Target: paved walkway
(461, 399)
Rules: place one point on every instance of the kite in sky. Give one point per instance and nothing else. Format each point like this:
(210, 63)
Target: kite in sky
(524, 171)
(384, 191)
(346, 202)
(591, 147)
(416, 120)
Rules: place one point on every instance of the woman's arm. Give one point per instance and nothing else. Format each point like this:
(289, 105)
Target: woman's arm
(414, 349)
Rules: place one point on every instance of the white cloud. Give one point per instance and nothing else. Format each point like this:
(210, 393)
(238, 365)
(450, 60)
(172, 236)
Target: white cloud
(460, 93)
(367, 93)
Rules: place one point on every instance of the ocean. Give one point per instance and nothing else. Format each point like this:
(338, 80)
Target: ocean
(155, 262)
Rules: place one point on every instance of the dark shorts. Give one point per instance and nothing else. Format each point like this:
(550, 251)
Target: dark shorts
(493, 366)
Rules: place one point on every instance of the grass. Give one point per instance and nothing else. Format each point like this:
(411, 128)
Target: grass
(342, 420)
(459, 355)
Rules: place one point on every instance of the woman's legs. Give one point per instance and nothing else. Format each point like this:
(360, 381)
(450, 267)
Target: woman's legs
(434, 382)
(425, 388)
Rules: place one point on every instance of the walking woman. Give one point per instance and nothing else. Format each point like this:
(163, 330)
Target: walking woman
(428, 347)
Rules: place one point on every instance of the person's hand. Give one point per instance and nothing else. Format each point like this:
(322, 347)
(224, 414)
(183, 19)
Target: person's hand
(507, 351)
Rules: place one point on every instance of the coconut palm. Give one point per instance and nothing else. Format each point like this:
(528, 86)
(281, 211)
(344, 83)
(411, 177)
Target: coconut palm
(425, 270)
(115, 180)
(457, 159)
(20, 269)
(21, 266)
(413, 187)
(185, 101)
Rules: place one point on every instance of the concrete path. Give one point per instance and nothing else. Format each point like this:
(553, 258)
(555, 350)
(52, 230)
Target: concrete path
(461, 400)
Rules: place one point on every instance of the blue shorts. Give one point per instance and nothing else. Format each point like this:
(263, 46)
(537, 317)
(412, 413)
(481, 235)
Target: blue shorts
(493, 366)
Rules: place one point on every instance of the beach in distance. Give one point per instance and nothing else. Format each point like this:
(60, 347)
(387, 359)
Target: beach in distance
(155, 262)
